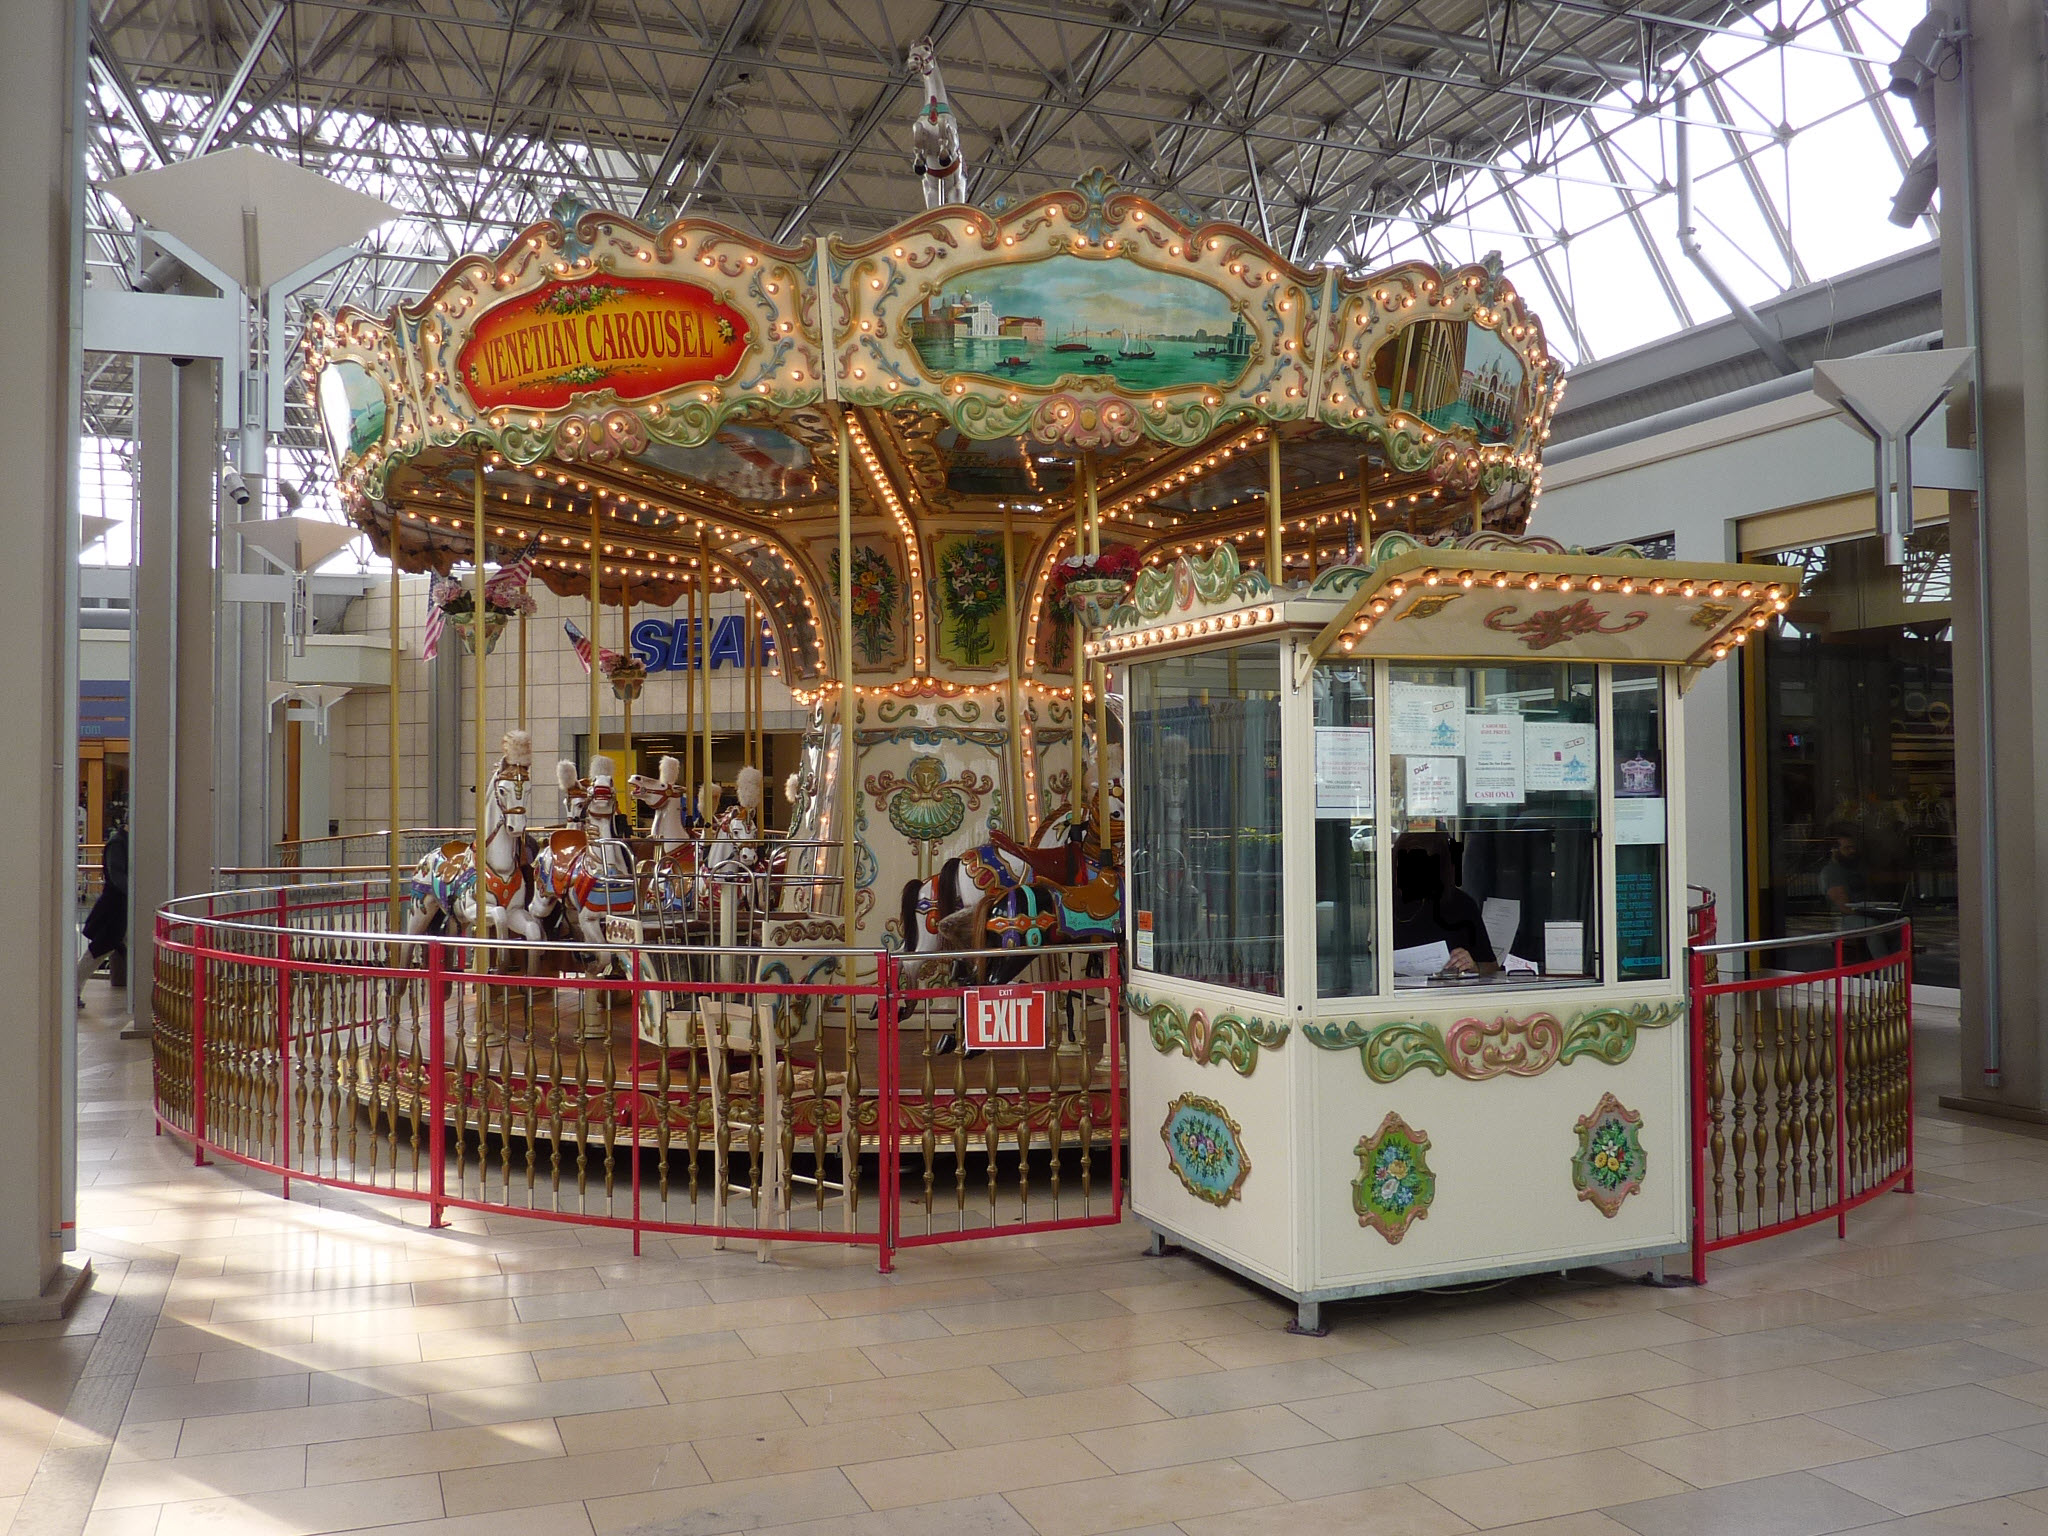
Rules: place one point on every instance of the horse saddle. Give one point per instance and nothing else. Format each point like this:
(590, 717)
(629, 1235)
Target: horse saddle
(564, 846)
(1098, 900)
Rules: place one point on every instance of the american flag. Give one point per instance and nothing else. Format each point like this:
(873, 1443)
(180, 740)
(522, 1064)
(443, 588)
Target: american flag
(439, 590)
(502, 590)
(577, 639)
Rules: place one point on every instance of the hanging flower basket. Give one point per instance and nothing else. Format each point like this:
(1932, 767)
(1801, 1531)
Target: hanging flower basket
(1095, 598)
(627, 676)
(464, 624)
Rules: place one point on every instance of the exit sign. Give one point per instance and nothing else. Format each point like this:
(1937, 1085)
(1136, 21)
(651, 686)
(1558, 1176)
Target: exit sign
(1006, 1018)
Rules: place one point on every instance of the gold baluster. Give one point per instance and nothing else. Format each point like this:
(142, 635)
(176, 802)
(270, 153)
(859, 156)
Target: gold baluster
(1740, 1008)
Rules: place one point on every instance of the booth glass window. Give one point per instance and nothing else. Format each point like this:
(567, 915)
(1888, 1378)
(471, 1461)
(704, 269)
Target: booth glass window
(1205, 850)
(1346, 847)
(1641, 822)
(1494, 807)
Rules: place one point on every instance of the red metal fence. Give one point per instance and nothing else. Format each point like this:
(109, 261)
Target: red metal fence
(800, 1093)
(1802, 1081)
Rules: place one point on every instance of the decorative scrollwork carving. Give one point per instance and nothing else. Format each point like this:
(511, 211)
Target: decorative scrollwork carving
(1509, 1046)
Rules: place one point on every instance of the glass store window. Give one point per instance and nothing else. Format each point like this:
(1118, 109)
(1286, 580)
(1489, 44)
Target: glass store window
(1495, 805)
(1851, 704)
(1346, 848)
(1205, 847)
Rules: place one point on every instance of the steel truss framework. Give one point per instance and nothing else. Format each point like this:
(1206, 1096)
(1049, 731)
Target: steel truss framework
(1336, 128)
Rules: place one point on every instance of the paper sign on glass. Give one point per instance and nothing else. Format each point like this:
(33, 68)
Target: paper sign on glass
(1493, 759)
(1560, 755)
(1142, 938)
(1564, 949)
(1638, 822)
(1432, 786)
(1426, 720)
(1343, 772)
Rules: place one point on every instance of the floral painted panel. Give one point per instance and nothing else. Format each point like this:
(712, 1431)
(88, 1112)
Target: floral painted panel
(1204, 1149)
(881, 612)
(1611, 1161)
(967, 572)
(1394, 1186)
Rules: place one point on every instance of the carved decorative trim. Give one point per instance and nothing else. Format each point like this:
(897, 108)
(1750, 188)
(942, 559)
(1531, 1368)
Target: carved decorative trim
(1611, 1161)
(1233, 1038)
(1477, 1050)
(1395, 1186)
(1204, 1148)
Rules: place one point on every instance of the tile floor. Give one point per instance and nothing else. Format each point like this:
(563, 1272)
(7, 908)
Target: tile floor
(247, 1365)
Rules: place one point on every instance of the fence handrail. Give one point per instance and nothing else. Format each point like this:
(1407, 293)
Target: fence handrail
(1803, 940)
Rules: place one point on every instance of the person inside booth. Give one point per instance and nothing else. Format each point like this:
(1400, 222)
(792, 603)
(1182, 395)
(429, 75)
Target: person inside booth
(1438, 929)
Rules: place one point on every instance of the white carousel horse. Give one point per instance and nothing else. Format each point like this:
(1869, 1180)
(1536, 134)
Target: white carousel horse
(935, 136)
(729, 843)
(587, 871)
(667, 877)
(444, 882)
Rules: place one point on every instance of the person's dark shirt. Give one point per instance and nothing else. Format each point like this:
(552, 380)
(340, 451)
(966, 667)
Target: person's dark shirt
(1452, 919)
(114, 860)
(1847, 875)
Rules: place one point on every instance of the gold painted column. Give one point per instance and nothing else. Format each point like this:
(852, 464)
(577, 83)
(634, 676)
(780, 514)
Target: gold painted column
(690, 779)
(1076, 806)
(596, 555)
(849, 765)
(1276, 543)
(1100, 676)
(522, 671)
(394, 715)
(704, 655)
(1015, 820)
(625, 650)
(483, 717)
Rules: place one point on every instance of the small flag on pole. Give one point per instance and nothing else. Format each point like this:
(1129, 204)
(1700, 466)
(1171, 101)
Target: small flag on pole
(576, 638)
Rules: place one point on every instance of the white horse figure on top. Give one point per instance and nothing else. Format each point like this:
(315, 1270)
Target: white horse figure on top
(935, 136)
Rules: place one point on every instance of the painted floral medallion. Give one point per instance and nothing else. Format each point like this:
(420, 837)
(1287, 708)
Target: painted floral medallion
(1610, 1162)
(1394, 1186)
(1204, 1149)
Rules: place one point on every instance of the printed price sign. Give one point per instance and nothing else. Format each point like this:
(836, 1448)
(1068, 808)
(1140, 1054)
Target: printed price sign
(1006, 1018)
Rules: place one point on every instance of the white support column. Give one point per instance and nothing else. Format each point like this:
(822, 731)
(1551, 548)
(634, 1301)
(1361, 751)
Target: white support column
(41, 106)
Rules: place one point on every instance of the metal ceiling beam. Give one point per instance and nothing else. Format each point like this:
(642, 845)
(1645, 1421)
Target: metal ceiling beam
(237, 82)
(716, 76)
(106, 65)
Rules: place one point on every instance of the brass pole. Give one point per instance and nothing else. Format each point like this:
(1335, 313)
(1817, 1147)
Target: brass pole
(522, 671)
(690, 780)
(1076, 806)
(1276, 569)
(483, 716)
(704, 655)
(1100, 676)
(849, 766)
(392, 922)
(626, 649)
(1361, 520)
(596, 570)
(1014, 814)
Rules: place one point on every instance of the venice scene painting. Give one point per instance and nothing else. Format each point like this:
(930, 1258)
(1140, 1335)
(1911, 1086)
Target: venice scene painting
(1070, 316)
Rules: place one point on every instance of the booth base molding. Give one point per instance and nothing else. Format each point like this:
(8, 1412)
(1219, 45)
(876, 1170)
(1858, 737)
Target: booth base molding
(1996, 1108)
(69, 1283)
(1308, 1304)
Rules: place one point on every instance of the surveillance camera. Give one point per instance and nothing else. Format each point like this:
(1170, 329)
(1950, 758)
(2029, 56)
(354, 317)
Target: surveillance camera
(1916, 192)
(290, 495)
(237, 488)
(1920, 56)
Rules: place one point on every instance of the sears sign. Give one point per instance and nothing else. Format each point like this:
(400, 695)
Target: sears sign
(665, 644)
(1006, 1018)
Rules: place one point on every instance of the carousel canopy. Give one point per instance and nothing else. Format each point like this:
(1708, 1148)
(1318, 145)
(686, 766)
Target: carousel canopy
(664, 406)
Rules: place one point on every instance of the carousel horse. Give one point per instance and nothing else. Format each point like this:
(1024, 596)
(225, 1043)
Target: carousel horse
(586, 871)
(444, 883)
(935, 136)
(667, 875)
(729, 842)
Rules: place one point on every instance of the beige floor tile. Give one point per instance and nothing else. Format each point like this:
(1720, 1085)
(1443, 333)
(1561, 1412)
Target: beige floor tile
(1935, 1476)
(731, 1457)
(306, 1511)
(1990, 1517)
(595, 1474)
(545, 1399)
(1028, 1311)
(1537, 1490)
(1952, 1413)
(1390, 1364)
(712, 1508)
(985, 1514)
(674, 1297)
(911, 1480)
(721, 1317)
(1390, 1512)
(426, 1377)
(1345, 1466)
(145, 1442)
(1767, 1349)
(1267, 1346)
(1607, 1335)
(1745, 1451)
(1570, 1428)
(303, 1426)
(1169, 1494)
(933, 1391)
(1796, 1504)
(139, 1520)
(840, 1333)
(906, 1297)
(1442, 1322)
(1251, 1387)
(1923, 1369)
(543, 1520)
(1175, 1295)
(518, 1338)
(1188, 1325)
(1391, 1408)
(1206, 1437)
(197, 1477)
(677, 1423)
(439, 1450)
(1065, 1373)
(1577, 1381)
(204, 1399)
(951, 1352)
(739, 1378)
(640, 1355)
(1585, 1523)
(1056, 1413)
(248, 1363)
(1766, 1395)
(1779, 1309)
